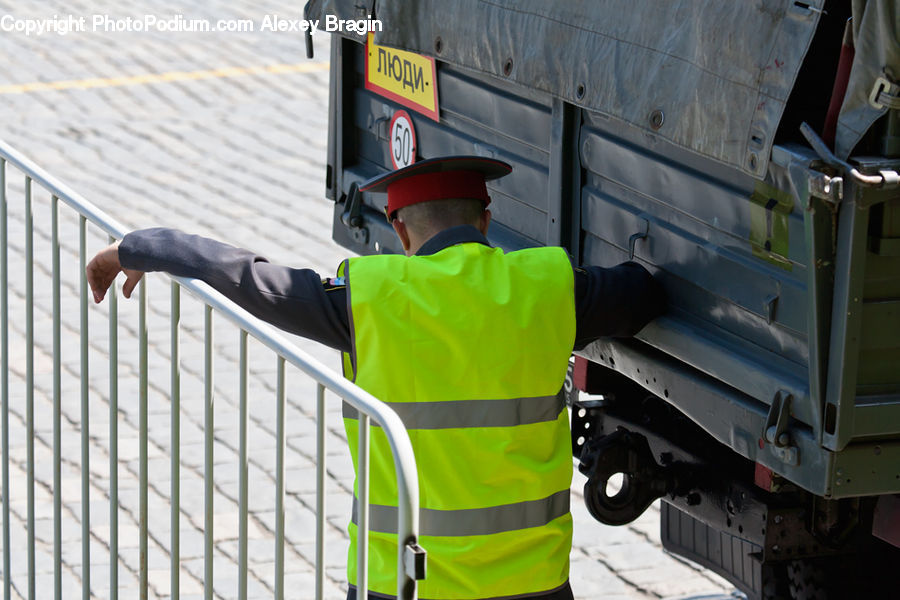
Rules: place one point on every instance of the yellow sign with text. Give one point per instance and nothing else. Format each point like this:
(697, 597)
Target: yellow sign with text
(405, 77)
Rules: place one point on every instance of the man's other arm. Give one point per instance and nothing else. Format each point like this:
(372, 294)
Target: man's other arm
(614, 302)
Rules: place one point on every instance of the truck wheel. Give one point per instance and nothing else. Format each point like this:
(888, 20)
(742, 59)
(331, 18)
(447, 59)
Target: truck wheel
(775, 585)
(808, 580)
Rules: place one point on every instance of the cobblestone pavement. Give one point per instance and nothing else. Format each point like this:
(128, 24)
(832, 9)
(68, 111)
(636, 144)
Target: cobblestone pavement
(231, 146)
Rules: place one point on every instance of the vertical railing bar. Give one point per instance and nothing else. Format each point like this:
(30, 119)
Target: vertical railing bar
(208, 457)
(242, 477)
(113, 442)
(142, 437)
(175, 444)
(362, 535)
(85, 416)
(4, 378)
(29, 378)
(57, 405)
(279, 482)
(320, 491)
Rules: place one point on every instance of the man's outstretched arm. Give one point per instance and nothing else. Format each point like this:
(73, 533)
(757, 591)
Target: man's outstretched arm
(292, 299)
(615, 302)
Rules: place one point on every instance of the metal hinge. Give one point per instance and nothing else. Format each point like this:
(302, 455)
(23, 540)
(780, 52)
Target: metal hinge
(414, 561)
(826, 187)
(776, 430)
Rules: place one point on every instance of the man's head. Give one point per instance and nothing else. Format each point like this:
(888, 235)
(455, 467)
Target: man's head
(432, 195)
(417, 223)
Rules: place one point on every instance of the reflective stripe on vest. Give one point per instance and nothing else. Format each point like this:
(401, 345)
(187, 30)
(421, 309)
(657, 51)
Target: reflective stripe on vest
(472, 413)
(473, 521)
(470, 347)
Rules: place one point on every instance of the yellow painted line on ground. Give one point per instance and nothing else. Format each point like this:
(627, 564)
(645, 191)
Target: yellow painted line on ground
(171, 76)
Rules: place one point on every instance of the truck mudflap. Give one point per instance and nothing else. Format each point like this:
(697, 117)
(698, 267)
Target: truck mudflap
(871, 572)
(729, 555)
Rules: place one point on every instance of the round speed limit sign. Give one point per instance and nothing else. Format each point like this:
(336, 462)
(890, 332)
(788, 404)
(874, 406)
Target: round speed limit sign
(403, 140)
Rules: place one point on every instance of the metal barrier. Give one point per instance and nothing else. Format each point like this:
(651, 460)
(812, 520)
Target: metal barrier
(369, 407)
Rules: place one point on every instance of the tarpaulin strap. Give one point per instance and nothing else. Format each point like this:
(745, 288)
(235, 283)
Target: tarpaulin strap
(841, 78)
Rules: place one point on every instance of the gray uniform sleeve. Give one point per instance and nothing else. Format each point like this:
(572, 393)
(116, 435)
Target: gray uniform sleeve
(615, 302)
(295, 300)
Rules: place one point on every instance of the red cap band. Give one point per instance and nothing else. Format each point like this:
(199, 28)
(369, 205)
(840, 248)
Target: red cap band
(436, 186)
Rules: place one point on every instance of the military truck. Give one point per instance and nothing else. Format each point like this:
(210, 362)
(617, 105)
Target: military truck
(746, 153)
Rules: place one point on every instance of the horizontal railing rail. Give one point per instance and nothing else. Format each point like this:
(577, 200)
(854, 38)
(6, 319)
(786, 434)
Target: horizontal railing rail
(369, 407)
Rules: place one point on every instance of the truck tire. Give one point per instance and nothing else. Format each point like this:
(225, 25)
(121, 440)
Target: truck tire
(775, 584)
(808, 580)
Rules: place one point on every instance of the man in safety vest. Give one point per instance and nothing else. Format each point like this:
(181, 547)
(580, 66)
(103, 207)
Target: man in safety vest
(468, 344)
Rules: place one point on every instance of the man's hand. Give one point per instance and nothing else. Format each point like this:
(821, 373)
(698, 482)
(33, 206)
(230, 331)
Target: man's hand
(103, 269)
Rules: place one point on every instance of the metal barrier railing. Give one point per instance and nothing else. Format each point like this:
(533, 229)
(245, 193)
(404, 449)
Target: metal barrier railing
(368, 407)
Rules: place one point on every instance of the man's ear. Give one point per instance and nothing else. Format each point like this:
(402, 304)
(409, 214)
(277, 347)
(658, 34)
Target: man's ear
(484, 221)
(402, 233)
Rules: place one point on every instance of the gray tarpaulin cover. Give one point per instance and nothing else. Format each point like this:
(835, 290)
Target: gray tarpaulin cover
(719, 71)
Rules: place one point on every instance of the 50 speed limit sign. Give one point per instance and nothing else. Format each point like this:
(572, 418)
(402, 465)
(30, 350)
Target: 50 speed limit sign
(403, 140)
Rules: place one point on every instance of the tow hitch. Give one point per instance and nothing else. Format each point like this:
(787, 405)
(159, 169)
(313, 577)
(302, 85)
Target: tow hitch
(643, 480)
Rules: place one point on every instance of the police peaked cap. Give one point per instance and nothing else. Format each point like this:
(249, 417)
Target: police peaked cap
(437, 179)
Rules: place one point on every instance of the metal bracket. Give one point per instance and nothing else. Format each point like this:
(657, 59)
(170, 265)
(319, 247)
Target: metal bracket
(352, 217)
(309, 40)
(379, 127)
(881, 95)
(637, 236)
(891, 178)
(825, 187)
(771, 307)
(414, 561)
(776, 430)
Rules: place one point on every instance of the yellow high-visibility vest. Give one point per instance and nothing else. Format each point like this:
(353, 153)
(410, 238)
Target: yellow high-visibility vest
(470, 347)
